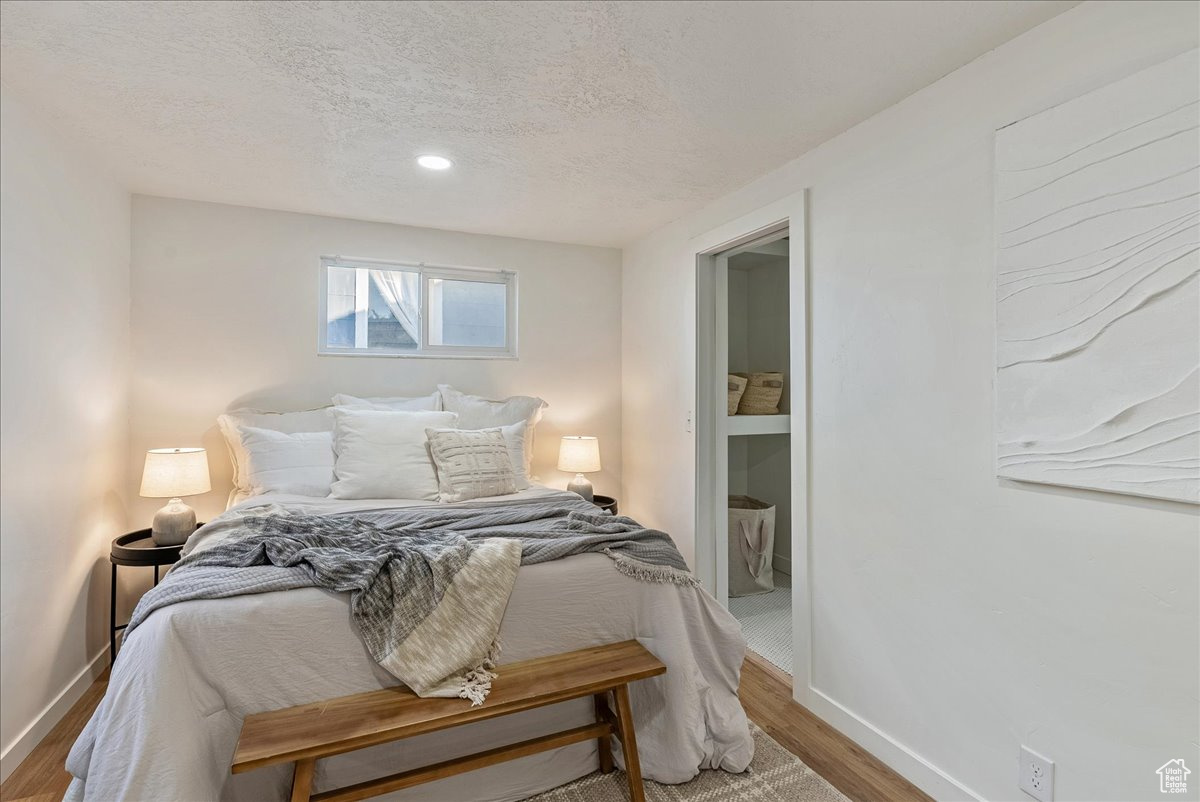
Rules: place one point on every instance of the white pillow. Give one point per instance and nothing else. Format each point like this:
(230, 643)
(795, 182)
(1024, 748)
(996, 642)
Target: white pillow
(432, 402)
(514, 439)
(230, 424)
(471, 463)
(300, 463)
(480, 413)
(383, 454)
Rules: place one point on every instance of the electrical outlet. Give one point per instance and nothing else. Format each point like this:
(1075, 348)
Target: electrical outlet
(1037, 775)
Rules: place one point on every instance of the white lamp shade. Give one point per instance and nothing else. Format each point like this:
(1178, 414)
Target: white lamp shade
(579, 455)
(172, 472)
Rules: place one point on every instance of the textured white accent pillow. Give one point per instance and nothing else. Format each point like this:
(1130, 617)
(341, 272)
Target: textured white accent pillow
(300, 463)
(430, 403)
(471, 463)
(231, 423)
(514, 439)
(480, 413)
(383, 454)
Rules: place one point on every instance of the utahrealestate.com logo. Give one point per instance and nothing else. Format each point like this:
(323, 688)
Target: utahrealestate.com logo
(1172, 777)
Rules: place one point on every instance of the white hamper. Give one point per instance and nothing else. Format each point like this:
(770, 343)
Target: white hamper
(751, 546)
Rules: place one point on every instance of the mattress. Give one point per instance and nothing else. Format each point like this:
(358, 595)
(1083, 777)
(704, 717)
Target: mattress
(186, 678)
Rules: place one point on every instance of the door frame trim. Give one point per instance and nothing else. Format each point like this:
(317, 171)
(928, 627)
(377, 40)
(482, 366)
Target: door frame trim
(789, 213)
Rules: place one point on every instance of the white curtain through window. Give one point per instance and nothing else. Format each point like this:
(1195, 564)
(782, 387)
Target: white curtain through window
(401, 290)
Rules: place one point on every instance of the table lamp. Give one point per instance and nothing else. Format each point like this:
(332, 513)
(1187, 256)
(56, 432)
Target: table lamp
(171, 473)
(579, 455)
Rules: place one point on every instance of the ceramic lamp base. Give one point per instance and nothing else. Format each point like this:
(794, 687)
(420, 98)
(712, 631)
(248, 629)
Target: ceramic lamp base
(173, 524)
(582, 486)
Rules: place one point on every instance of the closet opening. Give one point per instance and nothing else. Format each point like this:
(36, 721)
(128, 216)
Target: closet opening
(749, 470)
(758, 517)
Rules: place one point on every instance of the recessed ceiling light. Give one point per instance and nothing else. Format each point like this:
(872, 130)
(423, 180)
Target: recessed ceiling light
(430, 162)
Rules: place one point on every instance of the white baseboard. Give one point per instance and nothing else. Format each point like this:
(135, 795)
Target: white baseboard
(782, 564)
(905, 762)
(24, 743)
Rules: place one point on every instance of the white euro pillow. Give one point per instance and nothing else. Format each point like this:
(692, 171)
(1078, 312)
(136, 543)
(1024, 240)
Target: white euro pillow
(300, 463)
(383, 454)
(424, 403)
(475, 412)
(231, 424)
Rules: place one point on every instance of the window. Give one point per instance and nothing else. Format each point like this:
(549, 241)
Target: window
(393, 309)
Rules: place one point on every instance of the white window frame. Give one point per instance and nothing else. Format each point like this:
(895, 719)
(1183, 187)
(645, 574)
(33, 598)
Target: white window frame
(425, 272)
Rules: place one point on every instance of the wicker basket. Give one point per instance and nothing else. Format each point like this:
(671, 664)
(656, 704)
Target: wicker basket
(763, 391)
(737, 386)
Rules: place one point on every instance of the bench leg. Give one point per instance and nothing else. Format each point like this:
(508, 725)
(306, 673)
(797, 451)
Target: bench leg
(606, 760)
(302, 780)
(633, 767)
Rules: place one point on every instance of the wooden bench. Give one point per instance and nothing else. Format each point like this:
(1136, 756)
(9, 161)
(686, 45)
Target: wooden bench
(306, 733)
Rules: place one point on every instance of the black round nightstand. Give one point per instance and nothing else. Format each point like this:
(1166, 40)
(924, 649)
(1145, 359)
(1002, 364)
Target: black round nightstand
(135, 549)
(605, 503)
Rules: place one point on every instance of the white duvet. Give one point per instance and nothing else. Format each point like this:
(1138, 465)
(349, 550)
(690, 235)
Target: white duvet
(167, 727)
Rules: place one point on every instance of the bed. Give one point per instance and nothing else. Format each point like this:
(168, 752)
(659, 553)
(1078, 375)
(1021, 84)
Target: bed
(190, 673)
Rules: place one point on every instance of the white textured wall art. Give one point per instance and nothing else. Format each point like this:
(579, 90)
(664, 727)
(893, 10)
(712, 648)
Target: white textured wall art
(1098, 289)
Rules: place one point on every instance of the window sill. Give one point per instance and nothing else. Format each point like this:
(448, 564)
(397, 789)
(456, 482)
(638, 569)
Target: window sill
(393, 355)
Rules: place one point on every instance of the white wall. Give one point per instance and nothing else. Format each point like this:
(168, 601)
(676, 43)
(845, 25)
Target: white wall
(64, 283)
(225, 315)
(955, 616)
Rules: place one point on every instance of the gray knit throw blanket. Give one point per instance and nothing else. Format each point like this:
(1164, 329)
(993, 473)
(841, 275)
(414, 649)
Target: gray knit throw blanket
(428, 586)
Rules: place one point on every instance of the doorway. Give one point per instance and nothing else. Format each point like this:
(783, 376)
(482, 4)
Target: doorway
(751, 445)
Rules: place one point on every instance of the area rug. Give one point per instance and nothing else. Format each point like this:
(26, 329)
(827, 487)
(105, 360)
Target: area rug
(775, 775)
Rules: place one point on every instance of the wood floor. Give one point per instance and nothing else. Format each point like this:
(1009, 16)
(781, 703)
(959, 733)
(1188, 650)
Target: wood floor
(42, 777)
(766, 693)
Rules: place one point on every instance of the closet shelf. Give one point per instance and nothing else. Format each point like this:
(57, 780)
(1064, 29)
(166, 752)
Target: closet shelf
(758, 424)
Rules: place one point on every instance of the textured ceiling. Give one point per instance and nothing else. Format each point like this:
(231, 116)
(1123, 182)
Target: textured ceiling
(582, 122)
